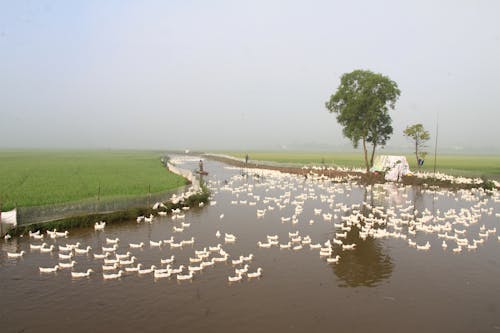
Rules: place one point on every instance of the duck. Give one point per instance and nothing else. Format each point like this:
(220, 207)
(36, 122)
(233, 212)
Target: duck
(31, 233)
(256, 274)
(101, 255)
(65, 256)
(140, 218)
(195, 268)
(195, 260)
(272, 237)
(112, 241)
(67, 264)
(425, 247)
(149, 219)
(128, 262)
(241, 271)
(168, 260)
(155, 244)
(169, 241)
(217, 234)
(220, 259)
(298, 247)
(264, 245)
(36, 236)
(47, 249)
(315, 246)
(188, 241)
(248, 258)
(147, 270)
(348, 246)
(83, 251)
(238, 261)
(207, 263)
(133, 268)
(62, 234)
(444, 245)
(110, 267)
(112, 276)
(111, 261)
(99, 225)
(123, 256)
(110, 249)
(159, 274)
(177, 270)
(82, 274)
(48, 269)
(333, 260)
(185, 277)
(234, 278)
(136, 246)
(215, 248)
(37, 247)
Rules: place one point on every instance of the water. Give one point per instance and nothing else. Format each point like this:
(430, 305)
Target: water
(383, 285)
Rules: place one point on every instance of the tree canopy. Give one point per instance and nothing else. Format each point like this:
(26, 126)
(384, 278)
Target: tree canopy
(419, 136)
(362, 103)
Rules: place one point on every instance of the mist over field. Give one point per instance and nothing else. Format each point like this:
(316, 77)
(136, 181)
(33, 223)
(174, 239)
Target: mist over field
(241, 76)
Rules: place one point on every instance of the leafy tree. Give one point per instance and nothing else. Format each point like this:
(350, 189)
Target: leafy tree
(420, 136)
(362, 103)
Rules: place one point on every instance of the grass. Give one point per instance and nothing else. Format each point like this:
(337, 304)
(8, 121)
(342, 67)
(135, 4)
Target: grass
(33, 178)
(88, 221)
(459, 165)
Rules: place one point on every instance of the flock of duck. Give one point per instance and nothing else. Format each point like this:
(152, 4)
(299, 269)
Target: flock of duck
(384, 211)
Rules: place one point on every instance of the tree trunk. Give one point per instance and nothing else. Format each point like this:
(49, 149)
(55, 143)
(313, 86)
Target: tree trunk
(365, 155)
(416, 153)
(373, 154)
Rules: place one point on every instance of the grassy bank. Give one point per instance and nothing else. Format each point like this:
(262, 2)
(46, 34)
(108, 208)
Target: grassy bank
(87, 221)
(33, 178)
(459, 165)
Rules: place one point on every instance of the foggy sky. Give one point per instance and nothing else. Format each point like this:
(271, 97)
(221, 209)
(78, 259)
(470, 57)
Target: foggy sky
(240, 74)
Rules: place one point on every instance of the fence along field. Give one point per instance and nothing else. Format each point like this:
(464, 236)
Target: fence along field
(35, 178)
(458, 165)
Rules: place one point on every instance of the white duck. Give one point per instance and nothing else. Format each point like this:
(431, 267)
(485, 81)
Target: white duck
(185, 277)
(112, 241)
(147, 270)
(112, 276)
(82, 274)
(168, 260)
(48, 269)
(136, 246)
(256, 274)
(67, 264)
(134, 268)
(234, 278)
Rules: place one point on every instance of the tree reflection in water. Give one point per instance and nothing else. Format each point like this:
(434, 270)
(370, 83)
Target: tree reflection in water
(368, 264)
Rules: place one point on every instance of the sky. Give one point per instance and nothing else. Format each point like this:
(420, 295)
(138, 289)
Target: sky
(241, 75)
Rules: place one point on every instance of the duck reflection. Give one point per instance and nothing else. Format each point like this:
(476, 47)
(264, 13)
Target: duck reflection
(368, 264)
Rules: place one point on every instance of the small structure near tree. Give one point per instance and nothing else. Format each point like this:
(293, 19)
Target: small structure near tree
(394, 167)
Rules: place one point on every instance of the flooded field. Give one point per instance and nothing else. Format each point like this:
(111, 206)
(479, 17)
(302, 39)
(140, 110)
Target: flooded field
(336, 257)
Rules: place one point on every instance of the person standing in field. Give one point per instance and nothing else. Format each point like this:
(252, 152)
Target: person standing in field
(246, 160)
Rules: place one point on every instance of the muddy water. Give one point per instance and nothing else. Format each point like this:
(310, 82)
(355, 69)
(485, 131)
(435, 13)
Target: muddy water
(383, 285)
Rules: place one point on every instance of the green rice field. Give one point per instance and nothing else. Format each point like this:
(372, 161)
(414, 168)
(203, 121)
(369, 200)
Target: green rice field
(459, 165)
(33, 178)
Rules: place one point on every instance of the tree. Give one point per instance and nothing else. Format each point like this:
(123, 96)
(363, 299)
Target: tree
(420, 136)
(362, 103)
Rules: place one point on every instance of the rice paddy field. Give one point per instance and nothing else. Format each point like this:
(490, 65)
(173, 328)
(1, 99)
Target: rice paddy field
(457, 165)
(34, 178)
